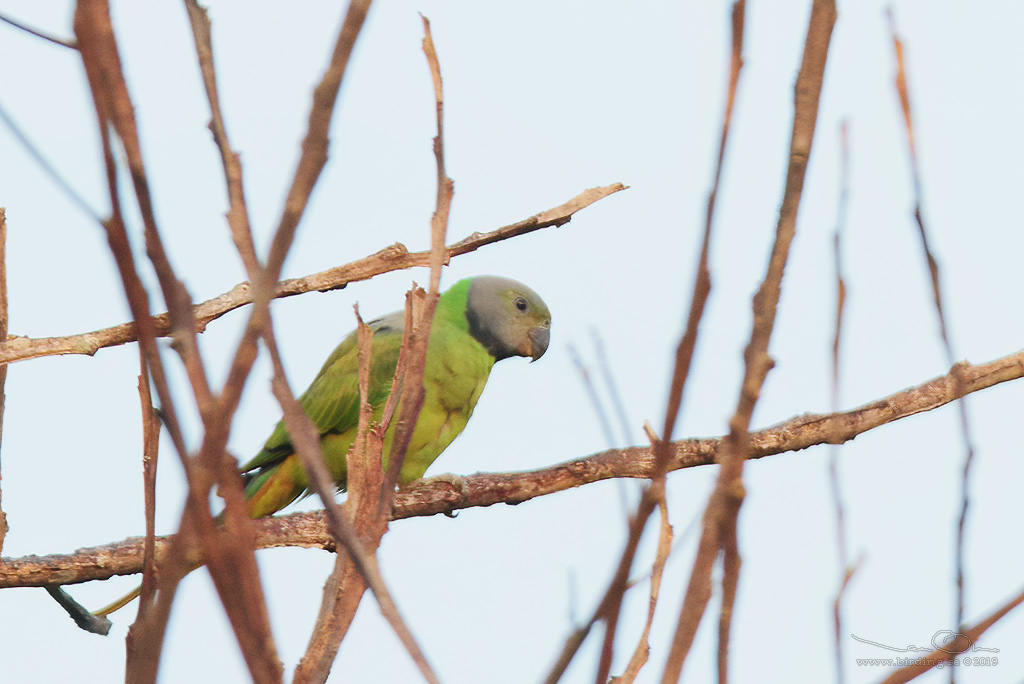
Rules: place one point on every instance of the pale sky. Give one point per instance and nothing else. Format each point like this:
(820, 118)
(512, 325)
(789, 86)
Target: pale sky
(544, 100)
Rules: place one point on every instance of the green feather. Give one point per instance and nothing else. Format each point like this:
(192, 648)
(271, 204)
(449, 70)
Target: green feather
(456, 370)
(477, 322)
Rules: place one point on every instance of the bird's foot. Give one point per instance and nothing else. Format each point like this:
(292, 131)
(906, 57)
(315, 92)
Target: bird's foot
(456, 482)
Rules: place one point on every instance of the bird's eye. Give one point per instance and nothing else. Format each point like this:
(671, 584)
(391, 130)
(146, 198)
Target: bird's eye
(521, 304)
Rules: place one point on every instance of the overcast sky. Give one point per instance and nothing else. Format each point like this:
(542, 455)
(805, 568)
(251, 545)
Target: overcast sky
(543, 100)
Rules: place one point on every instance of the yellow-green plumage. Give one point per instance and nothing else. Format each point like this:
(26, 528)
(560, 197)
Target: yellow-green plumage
(477, 322)
(456, 370)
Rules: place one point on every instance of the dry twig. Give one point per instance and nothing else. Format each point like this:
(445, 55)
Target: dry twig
(231, 562)
(238, 213)
(307, 445)
(393, 258)
(371, 493)
(960, 645)
(63, 42)
(150, 451)
(845, 568)
(947, 345)
(611, 604)
(643, 647)
(719, 527)
(3, 369)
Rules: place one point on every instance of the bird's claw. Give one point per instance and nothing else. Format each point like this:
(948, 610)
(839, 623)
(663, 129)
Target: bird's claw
(456, 482)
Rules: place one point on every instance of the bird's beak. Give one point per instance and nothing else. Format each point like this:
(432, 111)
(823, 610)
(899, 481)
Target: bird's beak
(539, 337)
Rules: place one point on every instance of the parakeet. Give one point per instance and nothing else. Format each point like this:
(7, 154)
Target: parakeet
(477, 322)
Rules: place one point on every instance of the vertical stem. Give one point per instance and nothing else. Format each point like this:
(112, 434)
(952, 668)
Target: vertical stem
(3, 368)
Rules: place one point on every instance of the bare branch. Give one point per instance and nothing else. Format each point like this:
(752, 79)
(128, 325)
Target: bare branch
(612, 603)
(412, 389)
(3, 369)
(613, 388)
(63, 42)
(719, 529)
(49, 169)
(102, 66)
(445, 185)
(595, 399)
(231, 560)
(393, 258)
(307, 445)
(845, 568)
(933, 272)
(314, 145)
(150, 452)
(643, 647)
(486, 489)
(960, 644)
(371, 491)
(238, 213)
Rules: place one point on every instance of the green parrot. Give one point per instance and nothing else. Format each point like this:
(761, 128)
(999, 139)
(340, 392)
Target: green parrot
(477, 322)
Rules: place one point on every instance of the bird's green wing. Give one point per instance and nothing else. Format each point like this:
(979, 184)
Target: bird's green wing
(332, 400)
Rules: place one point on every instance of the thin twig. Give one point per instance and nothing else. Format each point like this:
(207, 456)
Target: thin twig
(3, 369)
(150, 451)
(643, 647)
(445, 185)
(307, 445)
(413, 392)
(49, 169)
(487, 489)
(612, 602)
(238, 213)
(314, 145)
(307, 172)
(363, 467)
(962, 643)
(933, 271)
(719, 528)
(370, 513)
(231, 562)
(595, 400)
(310, 163)
(63, 42)
(393, 258)
(602, 417)
(612, 386)
(92, 27)
(345, 586)
(833, 453)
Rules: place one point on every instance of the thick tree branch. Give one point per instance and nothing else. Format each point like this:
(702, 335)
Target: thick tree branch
(392, 258)
(486, 489)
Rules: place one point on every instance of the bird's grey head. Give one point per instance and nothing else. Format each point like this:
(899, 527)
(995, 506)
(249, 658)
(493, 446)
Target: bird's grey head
(507, 317)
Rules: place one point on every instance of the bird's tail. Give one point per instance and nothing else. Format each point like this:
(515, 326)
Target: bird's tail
(119, 603)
